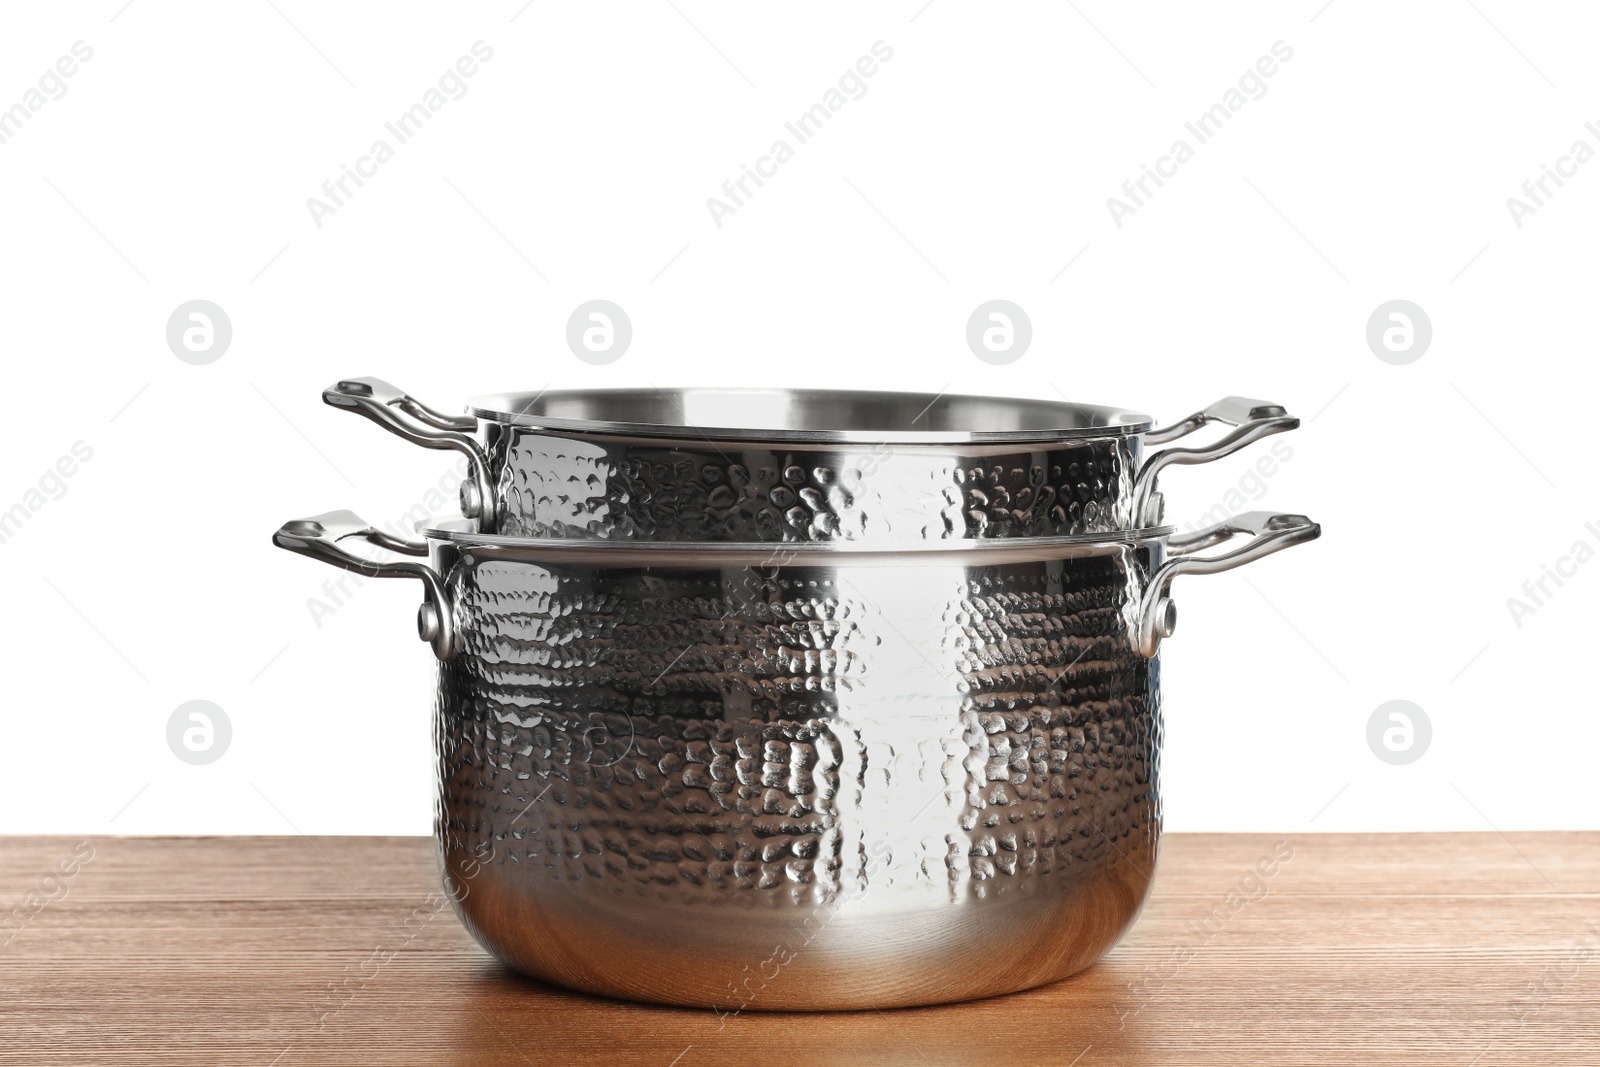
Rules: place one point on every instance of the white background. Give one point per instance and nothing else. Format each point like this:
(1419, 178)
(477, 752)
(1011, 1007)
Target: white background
(1377, 166)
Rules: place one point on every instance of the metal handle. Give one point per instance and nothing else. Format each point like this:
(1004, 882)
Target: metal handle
(1252, 420)
(406, 416)
(319, 537)
(1269, 533)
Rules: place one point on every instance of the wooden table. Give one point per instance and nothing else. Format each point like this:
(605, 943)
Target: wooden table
(1465, 949)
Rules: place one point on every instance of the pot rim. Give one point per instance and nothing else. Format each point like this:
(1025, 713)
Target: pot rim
(462, 534)
(805, 415)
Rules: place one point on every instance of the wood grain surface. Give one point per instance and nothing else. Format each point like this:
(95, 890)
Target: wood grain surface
(1468, 949)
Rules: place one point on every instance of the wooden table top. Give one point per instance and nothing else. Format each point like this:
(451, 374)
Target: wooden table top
(1468, 949)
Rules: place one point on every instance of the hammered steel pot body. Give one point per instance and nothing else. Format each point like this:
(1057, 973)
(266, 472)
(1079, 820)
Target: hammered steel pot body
(661, 489)
(769, 788)
(794, 466)
(822, 776)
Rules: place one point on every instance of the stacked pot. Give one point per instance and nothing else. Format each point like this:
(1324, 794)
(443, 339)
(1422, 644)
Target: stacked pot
(799, 699)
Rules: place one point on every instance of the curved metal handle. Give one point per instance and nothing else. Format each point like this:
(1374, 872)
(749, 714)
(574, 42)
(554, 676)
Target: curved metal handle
(405, 416)
(368, 394)
(1268, 532)
(1252, 420)
(319, 537)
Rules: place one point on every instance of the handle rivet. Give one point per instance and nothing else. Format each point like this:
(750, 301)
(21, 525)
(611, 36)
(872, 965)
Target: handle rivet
(427, 621)
(1166, 617)
(471, 500)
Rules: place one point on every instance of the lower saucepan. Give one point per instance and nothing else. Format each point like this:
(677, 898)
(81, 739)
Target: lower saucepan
(823, 777)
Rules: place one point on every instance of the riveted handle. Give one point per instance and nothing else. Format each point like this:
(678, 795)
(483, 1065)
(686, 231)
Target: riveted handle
(377, 393)
(405, 416)
(321, 537)
(1268, 533)
(1251, 420)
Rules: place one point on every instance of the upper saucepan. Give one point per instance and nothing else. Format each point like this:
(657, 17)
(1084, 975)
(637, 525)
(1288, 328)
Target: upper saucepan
(795, 465)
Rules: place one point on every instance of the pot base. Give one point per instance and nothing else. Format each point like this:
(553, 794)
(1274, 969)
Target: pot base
(855, 954)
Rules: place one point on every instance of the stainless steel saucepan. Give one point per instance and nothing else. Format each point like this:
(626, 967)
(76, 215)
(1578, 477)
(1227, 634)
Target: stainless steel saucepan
(797, 777)
(789, 465)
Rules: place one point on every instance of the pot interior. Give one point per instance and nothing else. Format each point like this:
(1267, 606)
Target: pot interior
(808, 414)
